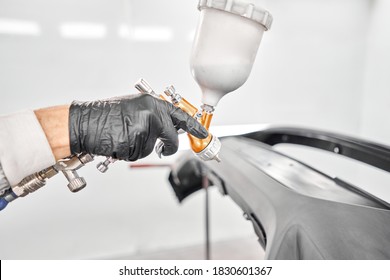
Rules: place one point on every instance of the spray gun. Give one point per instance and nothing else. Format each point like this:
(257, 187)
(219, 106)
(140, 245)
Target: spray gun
(206, 149)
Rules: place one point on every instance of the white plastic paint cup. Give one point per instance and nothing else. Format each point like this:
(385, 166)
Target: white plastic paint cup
(225, 45)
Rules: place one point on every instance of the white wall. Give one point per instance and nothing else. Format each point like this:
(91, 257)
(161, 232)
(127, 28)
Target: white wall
(310, 71)
(376, 101)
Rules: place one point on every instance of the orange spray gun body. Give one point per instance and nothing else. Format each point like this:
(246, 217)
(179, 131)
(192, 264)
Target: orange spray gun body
(208, 148)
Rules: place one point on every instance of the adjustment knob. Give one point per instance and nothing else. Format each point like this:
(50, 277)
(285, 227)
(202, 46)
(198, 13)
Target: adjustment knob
(77, 184)
(103, 166)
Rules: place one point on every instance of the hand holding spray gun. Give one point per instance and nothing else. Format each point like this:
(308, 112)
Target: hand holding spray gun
(207, 148)
(225, 46)
(124, 128)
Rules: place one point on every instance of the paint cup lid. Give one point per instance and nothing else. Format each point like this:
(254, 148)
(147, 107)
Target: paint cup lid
(246, 8)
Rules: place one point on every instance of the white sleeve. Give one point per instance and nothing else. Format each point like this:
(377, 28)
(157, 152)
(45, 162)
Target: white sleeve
(24, 148)
(4, 184)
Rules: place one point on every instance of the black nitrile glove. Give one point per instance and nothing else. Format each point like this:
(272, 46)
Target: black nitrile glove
(127, 128)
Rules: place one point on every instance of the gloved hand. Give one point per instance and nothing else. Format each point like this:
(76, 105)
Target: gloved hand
(127, 128)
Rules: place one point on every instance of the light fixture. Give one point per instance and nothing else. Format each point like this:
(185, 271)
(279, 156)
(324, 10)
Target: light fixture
(19, 27)
(149, 33)
(83, 30)
(124, 31)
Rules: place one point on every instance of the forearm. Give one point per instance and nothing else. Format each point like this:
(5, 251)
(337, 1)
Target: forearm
(54, 122)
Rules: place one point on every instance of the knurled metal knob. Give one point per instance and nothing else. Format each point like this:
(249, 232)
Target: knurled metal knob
(77, 184)
(103, 166)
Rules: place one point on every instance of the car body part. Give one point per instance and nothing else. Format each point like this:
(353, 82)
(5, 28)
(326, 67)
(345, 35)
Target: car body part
(297, 211)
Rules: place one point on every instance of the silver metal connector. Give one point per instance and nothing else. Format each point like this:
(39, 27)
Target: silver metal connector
(103, 166)
(143, 87)
(33, 182)
(172, 94)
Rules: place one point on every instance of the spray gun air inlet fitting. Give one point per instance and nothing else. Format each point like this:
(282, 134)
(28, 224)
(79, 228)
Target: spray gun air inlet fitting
(37, 180)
